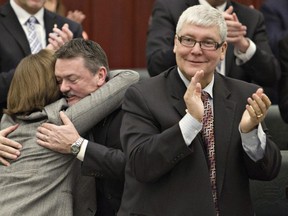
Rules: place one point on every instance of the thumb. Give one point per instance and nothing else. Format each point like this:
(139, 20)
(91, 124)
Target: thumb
(8, 130)
(229, 10)
(65, 119)
(66, 25)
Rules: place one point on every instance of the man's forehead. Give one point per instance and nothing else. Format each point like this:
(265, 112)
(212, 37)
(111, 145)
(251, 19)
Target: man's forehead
(200, 31)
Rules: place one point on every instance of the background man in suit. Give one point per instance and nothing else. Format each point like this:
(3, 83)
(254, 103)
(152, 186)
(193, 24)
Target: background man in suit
(14, 43)
(248, 55)
(283, 84)
(276, 21)
(173, 170)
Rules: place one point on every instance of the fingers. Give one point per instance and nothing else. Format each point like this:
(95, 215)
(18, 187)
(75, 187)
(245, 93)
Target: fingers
(229, 10)
(65, 119)
(43, 132)
(59, 37)
(4, 162)
(192, 96)
(67, 34)
(8, 130)
(197, 77)
(193, 84)
(41, 142)
(235, 30)
(9, 149)
(258, 105)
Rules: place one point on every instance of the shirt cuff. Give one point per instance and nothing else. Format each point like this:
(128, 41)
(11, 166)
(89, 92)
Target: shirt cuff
(254, 143)
(82, 151)
(189, 127)
(244, 57)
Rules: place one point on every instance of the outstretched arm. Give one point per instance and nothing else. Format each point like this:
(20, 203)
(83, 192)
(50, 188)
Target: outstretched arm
(87, 112)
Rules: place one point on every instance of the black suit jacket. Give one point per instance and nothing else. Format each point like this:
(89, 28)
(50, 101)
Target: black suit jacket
(105, 160)
(262, 68)
(283, 86)
(276, 21)
(165, 177)
(14, 44)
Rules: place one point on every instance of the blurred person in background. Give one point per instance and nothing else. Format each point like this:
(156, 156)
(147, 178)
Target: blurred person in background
(49, 28)
(276, 21)
(58, 7)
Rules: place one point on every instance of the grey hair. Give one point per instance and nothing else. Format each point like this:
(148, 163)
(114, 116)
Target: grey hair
(203, 15)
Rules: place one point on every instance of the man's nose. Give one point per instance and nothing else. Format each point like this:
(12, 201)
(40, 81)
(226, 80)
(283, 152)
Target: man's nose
(197, 48)
(64, 87)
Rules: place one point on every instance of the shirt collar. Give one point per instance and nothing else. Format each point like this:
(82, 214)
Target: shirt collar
(23, 15)
(208, 88)
(220, 7)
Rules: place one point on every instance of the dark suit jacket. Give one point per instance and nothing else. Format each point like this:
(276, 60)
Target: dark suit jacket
(14, 44)
(165, 177)
(283, 86)
(276, 21)
(105, 160)
(262, 68)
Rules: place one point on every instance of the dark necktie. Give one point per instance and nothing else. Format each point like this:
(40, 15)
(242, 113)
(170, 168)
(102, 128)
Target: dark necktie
(33, 39)
(209, 143)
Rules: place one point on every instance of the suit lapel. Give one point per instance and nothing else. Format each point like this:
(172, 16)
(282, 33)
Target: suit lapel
(49, 21)
(224, 114)
(176, 89)
(191, 2)
(10, 20)
(230, 57)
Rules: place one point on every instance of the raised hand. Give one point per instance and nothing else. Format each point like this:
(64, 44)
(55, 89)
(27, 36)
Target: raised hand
(192, 96)
(236, 31)
(59, 37)
(256, 111)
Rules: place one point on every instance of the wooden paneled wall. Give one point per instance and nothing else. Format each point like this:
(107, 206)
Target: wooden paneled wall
(120, 27)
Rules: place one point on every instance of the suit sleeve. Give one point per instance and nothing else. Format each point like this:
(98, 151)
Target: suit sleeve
(268, 167)
(5, 80)
(103, 162)
(275, 18)
(160, 40)
(283, 85)
(93, 108)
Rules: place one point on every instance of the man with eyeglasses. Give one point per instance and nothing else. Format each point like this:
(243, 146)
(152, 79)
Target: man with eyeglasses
(248, 57)
(185, 156)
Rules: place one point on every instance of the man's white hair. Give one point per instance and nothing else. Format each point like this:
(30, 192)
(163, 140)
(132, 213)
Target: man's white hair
(203, 15)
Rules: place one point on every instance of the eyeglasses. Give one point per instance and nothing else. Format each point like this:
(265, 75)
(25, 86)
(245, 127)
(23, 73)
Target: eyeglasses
(205, 45)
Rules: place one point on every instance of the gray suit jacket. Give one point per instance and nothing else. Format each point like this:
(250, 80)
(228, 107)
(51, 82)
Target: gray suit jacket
(50, 183)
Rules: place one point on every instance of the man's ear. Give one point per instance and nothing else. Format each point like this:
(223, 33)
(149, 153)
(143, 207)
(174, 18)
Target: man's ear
(223, 50)
(102, 74)
(175, 44)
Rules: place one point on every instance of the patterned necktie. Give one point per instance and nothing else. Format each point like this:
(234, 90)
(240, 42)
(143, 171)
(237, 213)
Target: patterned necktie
(209, 143)
(33, 39)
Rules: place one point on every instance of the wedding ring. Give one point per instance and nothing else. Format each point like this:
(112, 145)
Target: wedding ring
(260, 115)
